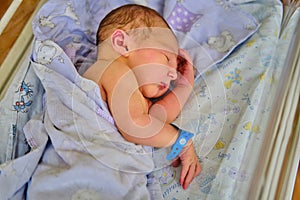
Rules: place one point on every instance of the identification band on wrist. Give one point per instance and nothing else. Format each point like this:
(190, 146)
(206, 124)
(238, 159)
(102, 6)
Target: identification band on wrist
(182, 140)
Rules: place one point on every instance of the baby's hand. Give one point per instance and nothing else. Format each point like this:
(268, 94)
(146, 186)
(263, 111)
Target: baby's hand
(185, 71)
(190, 165)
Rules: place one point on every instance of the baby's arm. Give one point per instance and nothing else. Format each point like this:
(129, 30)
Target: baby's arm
(137, 125)
(169, 107)
(130, 110)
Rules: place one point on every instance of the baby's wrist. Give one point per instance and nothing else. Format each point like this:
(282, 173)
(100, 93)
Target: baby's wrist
(188, 145)
(183, 141)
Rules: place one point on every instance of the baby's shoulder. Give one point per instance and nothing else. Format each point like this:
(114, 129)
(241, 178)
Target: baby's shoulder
(117, 72)
(102, 70)
(116, 69)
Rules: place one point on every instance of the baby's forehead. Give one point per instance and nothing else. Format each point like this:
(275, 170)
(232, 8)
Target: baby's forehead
(159, 38)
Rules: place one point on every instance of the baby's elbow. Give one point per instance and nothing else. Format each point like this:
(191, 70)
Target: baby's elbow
(140, 130)
(135, 138)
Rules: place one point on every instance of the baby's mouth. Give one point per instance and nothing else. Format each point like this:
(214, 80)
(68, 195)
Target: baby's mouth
(162, 85)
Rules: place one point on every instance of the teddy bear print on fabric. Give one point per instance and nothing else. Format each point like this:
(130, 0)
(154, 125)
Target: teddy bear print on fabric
(68, 12)
(222, 43)
(46, 52)
(181, 19)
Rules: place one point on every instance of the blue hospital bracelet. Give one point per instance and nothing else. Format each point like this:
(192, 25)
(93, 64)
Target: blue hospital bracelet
(182, 140)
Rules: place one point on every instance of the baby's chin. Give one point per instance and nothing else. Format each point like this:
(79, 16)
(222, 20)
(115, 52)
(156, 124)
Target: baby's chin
(156, 94)
(153, 91)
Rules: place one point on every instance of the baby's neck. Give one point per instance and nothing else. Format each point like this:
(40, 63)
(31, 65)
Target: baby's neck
(106, 52)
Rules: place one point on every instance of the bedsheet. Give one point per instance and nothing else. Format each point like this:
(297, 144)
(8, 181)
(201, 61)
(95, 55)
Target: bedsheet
(250, 78)
(228, 111)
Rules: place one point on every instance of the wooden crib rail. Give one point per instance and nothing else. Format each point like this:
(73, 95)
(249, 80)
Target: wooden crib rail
(15, 39)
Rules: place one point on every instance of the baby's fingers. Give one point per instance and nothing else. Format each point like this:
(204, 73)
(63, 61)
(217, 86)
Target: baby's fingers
(189, 176)
(183, 173)
(198, 169)
(176, 162)
(183, 53)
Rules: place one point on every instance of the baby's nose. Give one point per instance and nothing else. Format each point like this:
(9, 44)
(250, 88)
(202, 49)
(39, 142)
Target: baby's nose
(172, 73)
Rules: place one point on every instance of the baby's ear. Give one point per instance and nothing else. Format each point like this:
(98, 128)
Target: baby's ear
(119, 42)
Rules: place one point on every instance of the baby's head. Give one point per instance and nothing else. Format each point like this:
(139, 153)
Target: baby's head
(147, 45)
(127, 18)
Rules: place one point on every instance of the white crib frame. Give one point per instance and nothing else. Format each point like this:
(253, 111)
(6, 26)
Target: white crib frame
(275, 176)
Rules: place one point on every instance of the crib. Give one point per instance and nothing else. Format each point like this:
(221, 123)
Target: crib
(244, 109)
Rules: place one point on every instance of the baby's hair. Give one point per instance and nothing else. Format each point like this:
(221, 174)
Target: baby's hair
(129, 17)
